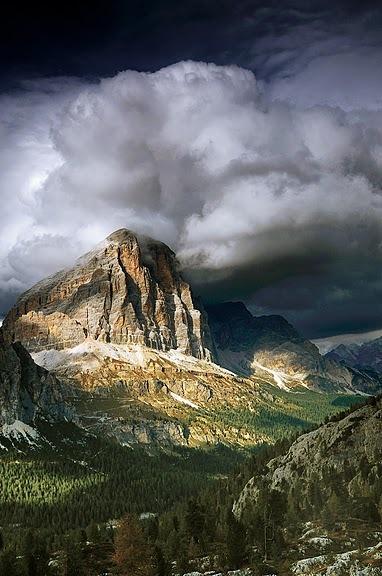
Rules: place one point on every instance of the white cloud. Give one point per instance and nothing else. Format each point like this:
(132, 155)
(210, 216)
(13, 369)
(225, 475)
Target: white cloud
(192, 155)
(327, 344)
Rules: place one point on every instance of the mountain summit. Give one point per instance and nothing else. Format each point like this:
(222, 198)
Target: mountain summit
(127, 290)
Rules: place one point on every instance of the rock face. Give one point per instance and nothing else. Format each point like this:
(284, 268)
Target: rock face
(27, 391)
(269, 345)
(126, 291)
(343, 449)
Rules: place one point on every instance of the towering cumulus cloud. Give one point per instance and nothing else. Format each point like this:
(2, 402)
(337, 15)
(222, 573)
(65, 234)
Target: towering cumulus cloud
(262, 200)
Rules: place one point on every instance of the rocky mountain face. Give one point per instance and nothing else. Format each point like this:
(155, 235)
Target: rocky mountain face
(270, 346)
(27, 391)
(367, 356)
(126, 291)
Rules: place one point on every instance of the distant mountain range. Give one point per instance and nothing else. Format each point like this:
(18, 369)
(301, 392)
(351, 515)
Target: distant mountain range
(270, 347)
(367, 356)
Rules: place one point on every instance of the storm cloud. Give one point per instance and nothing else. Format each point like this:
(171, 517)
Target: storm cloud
(264, 197)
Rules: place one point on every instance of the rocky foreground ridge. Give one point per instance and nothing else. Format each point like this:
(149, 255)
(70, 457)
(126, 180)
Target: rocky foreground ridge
(347, 453)
(326, 493)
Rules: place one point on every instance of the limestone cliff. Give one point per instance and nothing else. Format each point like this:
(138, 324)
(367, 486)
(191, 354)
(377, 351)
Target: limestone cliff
(126, 291)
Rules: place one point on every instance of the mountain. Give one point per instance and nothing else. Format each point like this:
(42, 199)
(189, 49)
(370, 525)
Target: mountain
(122, 330)
(367, 356)
(145, 363)
(126, 291)
(269, 346)
(28, 393)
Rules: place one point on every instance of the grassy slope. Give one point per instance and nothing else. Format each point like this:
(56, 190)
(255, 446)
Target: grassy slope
(285, 413)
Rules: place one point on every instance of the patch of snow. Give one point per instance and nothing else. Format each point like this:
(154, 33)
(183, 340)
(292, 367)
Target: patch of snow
(90, 351)
(278, 377)
(184, 400)
(361, 393)
(320, 541)
(20, 431)
(50, 359)
(147, 515)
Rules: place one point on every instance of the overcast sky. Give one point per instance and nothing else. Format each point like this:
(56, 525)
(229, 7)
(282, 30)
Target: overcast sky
(246, 135)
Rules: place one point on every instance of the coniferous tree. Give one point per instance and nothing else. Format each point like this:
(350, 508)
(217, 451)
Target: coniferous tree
(73, 560)
(8, 562)
(161, 565)
(235, 541)
(132, 554)
(195, 521)
(182, 559)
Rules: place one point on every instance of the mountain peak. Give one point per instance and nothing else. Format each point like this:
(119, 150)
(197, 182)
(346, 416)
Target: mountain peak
(223, 310)
(128, 290)
(121, 235)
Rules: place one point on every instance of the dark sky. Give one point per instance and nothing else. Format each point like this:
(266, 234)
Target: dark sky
(267, 183)
(97, 38)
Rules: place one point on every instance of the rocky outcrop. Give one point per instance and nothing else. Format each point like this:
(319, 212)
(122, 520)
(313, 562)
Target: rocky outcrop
(270, 346)
(27, 391)
(126, 291)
